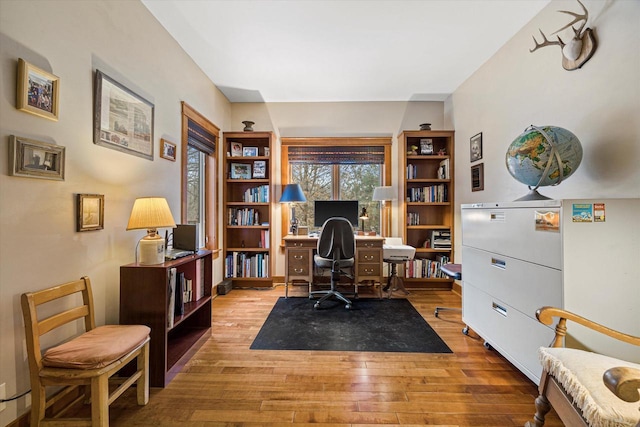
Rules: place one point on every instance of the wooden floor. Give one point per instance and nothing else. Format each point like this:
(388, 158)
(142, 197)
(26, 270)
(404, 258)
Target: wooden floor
(226, 384)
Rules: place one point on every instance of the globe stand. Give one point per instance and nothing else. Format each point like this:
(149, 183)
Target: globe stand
(532, 195)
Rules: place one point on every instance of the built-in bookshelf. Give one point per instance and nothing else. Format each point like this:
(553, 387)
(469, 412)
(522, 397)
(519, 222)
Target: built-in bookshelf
(427, 203)
(248, 256)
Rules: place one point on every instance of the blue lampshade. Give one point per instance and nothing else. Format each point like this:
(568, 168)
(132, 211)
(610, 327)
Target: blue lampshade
(292, 193)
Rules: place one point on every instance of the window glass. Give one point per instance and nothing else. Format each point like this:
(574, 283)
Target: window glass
(196, 178)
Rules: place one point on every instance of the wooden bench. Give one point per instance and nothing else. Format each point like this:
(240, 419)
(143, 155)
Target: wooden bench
(87, 361)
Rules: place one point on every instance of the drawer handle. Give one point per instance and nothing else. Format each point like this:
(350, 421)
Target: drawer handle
(499, 309)
(368, 257)
(368, 245)
(298, 256)
(498, 263)
(368, 270)
(297, 244)
(298, 270)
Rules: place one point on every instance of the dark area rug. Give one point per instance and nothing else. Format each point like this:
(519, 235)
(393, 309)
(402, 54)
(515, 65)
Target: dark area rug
(390, 325)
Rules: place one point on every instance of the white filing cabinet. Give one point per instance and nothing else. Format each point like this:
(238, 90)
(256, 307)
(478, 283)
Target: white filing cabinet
(520, 256)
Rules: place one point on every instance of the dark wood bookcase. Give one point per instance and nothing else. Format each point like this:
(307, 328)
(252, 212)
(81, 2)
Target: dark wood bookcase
(144, 300)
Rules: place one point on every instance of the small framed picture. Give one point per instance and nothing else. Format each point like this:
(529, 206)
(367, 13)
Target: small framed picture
(267, 151)
(167, 150)
(236, 149)
(90, 209)
(240, 171)
(35, 159)
(477, 177)
(476, 147)
(250, 151)
(38, 91)
(426, 146)
(260, 169)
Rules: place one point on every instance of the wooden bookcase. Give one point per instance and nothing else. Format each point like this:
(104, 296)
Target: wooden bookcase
(247, 213)
(426, 199)
(144, 300)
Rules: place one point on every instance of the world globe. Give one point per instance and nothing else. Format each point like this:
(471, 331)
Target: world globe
(542, 156)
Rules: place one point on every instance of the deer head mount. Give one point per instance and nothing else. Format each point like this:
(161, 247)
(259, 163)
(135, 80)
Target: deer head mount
(581, 46)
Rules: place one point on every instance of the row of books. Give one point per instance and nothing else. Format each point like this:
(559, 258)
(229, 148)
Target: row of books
(420, 268)
(241, 264)
(413, 218)
(431, 193)
(443, 170)
(183, 290)
(258, 194)
(243, 216)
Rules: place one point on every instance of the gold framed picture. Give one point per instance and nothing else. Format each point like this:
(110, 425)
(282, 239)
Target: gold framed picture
(477, 177)
(90, 209)
(167, 150)
(37, 91)
(35, 159)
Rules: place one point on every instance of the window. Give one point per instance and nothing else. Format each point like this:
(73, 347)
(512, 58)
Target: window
(199, 192)
(339, 169)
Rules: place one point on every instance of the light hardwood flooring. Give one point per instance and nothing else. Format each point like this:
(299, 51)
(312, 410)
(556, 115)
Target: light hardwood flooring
(227, 384)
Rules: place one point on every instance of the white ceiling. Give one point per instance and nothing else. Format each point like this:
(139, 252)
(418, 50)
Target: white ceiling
(341, 50)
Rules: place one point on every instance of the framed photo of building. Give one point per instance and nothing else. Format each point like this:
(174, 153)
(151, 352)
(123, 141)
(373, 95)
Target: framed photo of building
(90, 209)
(35, 159)
(38, 91)
(477, 177)
(123, 120)
(476, 147)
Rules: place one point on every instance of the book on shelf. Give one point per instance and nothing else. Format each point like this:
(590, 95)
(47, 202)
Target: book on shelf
(443, 170)
(241, 264)
(179, 294)
(171, 292)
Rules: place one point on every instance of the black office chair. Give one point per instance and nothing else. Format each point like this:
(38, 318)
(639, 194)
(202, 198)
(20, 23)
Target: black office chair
(336, 250)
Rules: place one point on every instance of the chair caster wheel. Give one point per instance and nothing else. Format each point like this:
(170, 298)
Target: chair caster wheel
(435, 313)
(487, 345)
(316, 305)
(465, 330)
(348, 306)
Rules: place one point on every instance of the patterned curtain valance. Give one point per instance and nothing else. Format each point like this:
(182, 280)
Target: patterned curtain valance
(337, 155)
(200, 139)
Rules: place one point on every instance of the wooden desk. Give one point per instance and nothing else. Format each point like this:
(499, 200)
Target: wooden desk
(299, 266)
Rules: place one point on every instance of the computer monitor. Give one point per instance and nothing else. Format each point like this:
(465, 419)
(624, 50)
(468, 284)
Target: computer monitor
(325, 209)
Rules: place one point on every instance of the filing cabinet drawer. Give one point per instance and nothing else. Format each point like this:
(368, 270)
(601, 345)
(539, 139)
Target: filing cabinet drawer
(516, 336)
(525, 285)
(368, 255)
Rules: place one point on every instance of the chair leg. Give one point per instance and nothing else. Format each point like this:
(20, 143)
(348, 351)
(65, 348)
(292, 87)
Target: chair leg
(38, 405)
(542, 408)
(142, 385)
(100, 401)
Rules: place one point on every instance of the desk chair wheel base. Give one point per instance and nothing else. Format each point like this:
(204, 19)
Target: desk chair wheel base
(487, 345)
(465, 330)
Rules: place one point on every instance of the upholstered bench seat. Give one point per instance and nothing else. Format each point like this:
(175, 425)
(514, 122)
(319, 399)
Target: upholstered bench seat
(580, 374)
(97, 348)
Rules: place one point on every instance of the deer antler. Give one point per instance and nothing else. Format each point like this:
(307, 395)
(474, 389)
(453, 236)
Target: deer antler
(546, 42)
(576, 18)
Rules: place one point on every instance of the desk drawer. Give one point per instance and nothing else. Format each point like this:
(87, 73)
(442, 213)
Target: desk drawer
(298, 262)
(368, 244)
(372, 270)
(303, 243)
(369, 255)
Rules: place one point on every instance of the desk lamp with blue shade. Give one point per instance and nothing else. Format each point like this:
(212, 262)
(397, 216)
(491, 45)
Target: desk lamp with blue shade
(293, 193)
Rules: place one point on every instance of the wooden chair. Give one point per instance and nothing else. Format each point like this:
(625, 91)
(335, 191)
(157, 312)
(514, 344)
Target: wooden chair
(87, 361)
(578, 384)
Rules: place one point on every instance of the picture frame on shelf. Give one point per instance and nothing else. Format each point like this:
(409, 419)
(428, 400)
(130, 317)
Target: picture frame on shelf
(476, 147)
(90, 212)
(114, 124)
(259, 169)
(426, 146)
(167, 150)
(267, 151)
(477, 177)
(240, 171)
(36, 159)
(236, 149)
(37, 91)
(250, 151)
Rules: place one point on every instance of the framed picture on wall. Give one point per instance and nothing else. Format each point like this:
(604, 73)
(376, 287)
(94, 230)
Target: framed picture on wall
(123, 120)
(35, 159)
(167, 150)
(476, 147)
(477, 177)
(38, 91)
(90, 209)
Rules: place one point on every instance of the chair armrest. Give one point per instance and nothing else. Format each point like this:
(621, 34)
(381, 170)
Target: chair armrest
(623, 382)
(545, 315)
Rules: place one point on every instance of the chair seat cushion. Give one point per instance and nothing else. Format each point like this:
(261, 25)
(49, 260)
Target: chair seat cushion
(97, 348)
(580, 374)
(328, 262)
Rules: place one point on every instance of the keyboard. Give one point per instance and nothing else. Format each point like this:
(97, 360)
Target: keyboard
(177, 253)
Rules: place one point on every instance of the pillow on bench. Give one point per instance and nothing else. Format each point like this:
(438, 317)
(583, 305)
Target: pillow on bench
(97, 348)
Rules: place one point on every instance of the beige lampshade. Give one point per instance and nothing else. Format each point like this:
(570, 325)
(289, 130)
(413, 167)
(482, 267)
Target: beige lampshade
(150, 213)
(383, 194)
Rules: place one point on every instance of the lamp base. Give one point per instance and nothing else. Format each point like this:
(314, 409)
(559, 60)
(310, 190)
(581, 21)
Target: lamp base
(151, 250)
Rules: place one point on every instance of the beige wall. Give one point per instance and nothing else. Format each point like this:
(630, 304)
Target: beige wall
(599, 103)
(39, 245)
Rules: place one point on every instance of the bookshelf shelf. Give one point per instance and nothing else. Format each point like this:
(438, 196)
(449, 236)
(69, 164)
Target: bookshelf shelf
(144, 300)
(427, 201)
(247, 205)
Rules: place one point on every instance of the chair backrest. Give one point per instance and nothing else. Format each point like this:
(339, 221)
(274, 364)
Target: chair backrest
(336, 239)
(34, 328)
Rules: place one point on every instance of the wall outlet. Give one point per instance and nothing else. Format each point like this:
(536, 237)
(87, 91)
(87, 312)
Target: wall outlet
(3, 395)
